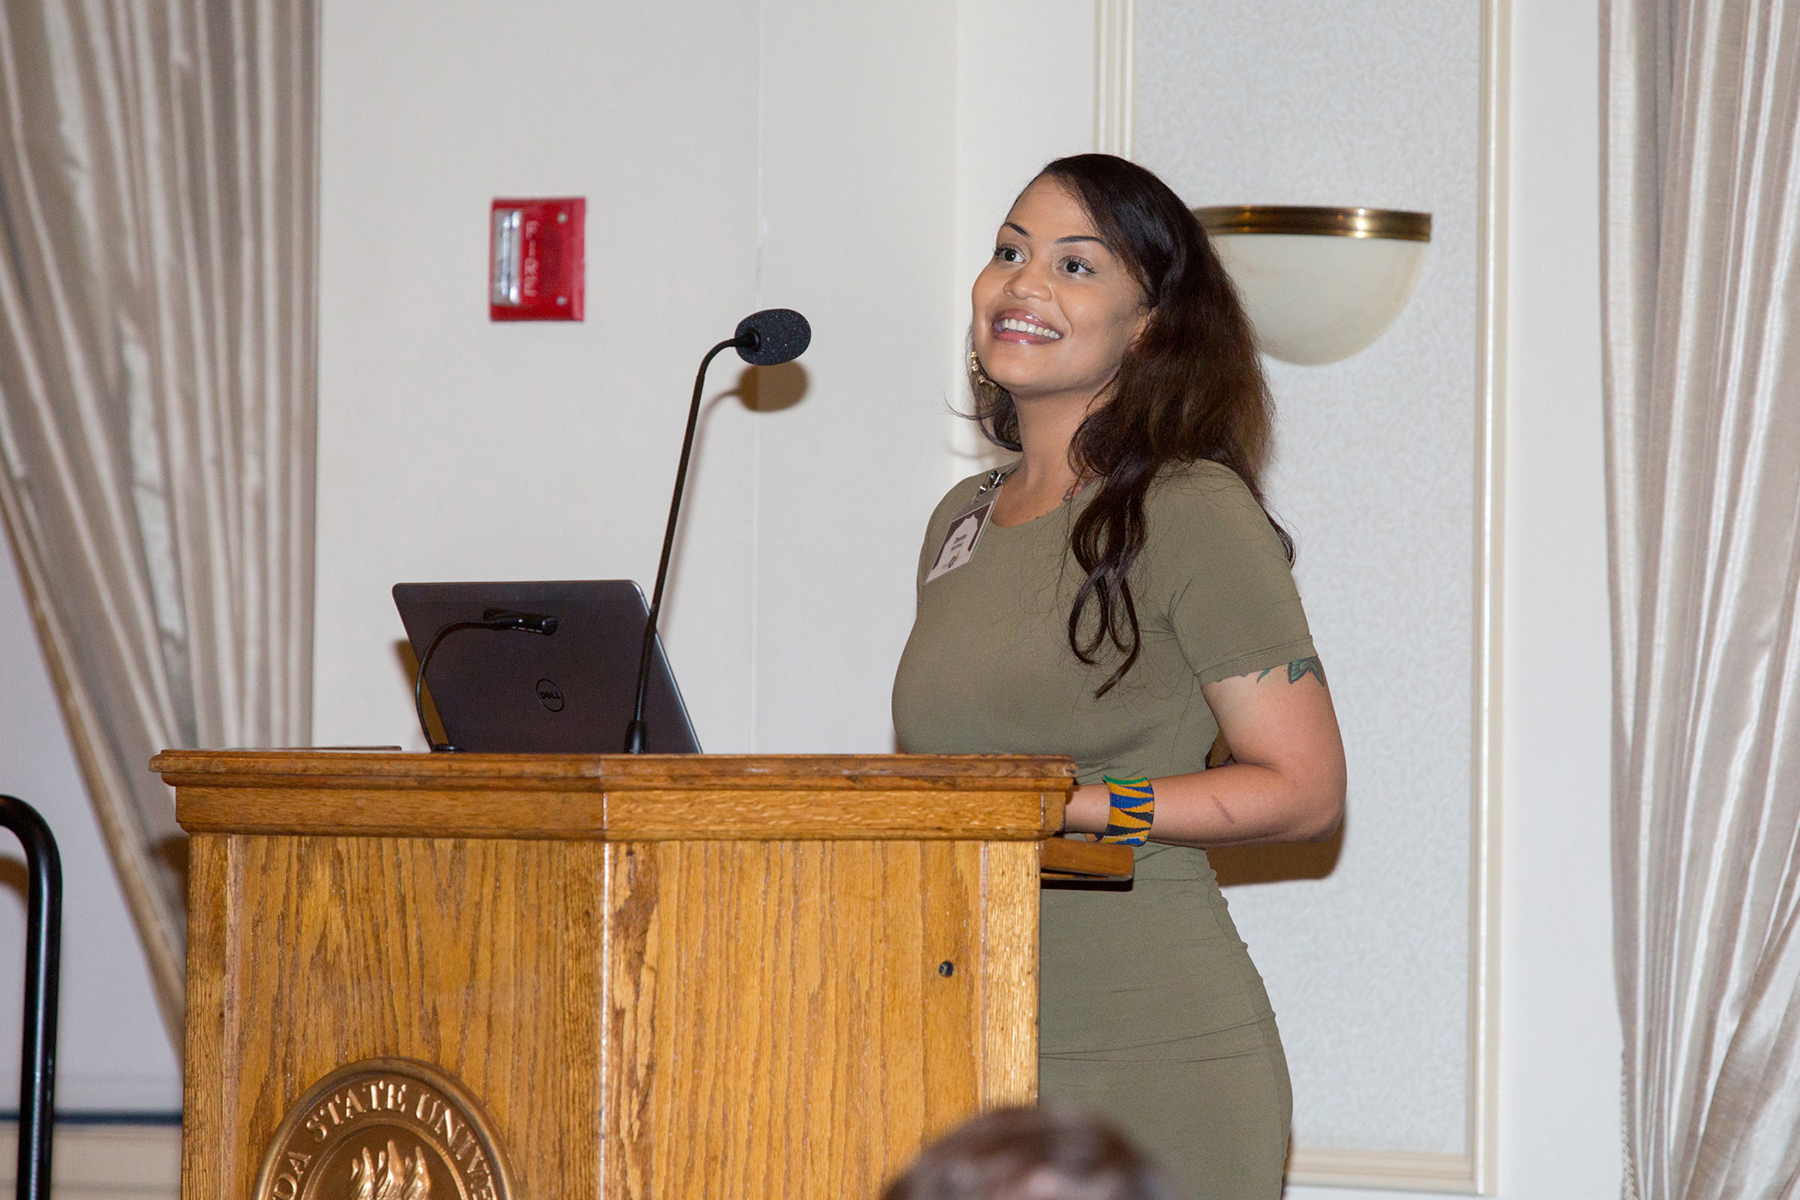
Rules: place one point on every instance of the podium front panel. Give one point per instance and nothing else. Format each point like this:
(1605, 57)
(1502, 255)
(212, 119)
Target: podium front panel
(797, 1019)
(728, 1014)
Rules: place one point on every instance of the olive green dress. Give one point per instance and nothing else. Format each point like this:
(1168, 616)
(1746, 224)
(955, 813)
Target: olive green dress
(1151, 1010)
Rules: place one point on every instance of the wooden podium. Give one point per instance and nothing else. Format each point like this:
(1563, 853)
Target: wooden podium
(672, 977)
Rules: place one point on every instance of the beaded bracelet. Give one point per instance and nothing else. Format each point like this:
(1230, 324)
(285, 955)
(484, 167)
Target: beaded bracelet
(1133, 808)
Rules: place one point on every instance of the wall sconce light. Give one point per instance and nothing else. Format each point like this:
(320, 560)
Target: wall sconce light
(1319, 284)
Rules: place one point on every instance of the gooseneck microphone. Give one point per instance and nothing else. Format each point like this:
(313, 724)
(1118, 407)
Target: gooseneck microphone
(763, 339)
(770, 338)
(493, 618)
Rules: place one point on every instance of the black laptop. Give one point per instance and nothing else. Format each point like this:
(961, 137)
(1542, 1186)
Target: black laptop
(570, 692)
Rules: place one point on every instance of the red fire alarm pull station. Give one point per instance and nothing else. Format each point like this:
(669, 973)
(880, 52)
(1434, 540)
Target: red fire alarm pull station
(538, 260)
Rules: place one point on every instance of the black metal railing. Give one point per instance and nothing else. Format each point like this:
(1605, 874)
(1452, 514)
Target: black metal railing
(43, 965)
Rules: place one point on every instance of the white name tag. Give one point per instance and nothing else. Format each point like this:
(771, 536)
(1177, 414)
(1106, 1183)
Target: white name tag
(959, 541)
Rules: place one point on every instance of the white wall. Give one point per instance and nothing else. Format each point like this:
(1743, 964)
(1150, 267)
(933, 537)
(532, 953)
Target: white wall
(452, 448)
(802, 153)
(1560, 1041)
(1559, 1035)
(1373, 475)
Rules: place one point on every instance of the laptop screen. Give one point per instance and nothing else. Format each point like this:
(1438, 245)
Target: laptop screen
(570, 692)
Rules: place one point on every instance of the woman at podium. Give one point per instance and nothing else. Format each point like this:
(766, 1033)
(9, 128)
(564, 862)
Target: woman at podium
(1118, 594)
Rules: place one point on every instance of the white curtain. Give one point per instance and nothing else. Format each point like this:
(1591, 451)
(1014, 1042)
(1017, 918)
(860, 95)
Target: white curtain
(1701, 104)
(156, 392)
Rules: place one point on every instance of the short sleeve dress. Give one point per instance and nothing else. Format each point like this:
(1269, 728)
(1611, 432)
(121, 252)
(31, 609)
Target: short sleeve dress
(1150, 1008)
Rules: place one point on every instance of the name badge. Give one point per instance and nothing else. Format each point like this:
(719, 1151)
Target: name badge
(960, 539)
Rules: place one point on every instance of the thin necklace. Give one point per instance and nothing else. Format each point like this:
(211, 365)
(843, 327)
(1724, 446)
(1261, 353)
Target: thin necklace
(999, 475)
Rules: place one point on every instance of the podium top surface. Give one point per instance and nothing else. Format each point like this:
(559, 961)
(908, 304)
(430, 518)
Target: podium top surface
(618, 796)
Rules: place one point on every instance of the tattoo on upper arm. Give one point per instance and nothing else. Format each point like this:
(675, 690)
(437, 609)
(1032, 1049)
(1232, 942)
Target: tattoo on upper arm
(1299, 669)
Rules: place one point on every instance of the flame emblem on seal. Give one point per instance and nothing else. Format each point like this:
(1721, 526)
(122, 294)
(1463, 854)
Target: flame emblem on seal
(385, 1129)
(388, 1176)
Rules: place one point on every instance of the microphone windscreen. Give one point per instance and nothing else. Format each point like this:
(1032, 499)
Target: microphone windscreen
(773, 336)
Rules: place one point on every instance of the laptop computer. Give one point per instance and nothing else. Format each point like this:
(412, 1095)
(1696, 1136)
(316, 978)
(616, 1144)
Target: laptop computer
(570, 692)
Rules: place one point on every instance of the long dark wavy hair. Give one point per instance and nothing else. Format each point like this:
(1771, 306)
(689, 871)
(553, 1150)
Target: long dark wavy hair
(1190, 387)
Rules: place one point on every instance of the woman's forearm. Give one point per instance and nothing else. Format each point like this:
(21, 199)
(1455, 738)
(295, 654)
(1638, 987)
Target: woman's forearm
(1285, 782)
(1236, 805)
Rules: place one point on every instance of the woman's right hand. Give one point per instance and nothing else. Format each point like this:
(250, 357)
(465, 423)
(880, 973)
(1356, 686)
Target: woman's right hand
(1087, 809)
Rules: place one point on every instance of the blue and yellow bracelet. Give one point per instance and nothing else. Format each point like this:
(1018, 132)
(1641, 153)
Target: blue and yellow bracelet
(1133, 809)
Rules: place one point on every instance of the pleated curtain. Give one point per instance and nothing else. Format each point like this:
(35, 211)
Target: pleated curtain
(157, 197)
(1701, 108)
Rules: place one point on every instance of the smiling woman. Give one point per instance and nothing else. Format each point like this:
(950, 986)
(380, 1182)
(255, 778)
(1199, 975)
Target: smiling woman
(1119, 595)
(1055, 310)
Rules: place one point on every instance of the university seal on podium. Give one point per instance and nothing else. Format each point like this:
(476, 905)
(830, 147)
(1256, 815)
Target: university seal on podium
(385, 1129)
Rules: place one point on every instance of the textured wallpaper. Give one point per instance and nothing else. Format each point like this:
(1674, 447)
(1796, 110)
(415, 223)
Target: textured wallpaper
(1362, 102)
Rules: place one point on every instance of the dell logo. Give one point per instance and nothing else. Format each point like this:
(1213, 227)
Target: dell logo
(549, 695)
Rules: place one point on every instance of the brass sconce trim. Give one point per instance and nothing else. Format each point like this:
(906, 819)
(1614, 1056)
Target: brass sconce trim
(1337, 222)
